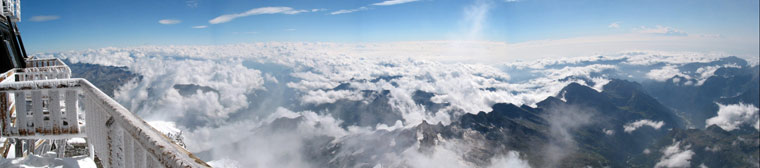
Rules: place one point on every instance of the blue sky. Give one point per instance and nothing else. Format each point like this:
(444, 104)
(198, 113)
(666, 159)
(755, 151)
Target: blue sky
(72, 25)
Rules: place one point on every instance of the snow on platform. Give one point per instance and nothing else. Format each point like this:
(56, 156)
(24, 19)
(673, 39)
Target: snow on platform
(48, 160)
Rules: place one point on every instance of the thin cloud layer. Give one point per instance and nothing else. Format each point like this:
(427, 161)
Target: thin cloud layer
(44, 18)
(661, 30)
(393, 2)
(614, 25)
(258, 11)
(344, 11)
(169, 21)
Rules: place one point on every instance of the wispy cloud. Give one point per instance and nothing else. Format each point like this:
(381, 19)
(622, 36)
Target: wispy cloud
(44, 18)
(169, 21)
(192, 3)
(290, 29)
(259, 11)
(661, 30)
(475, 17)
(614, 25)
(200, 27)
(392, 2)
(363, 8)
(511, 0)
(344, 11)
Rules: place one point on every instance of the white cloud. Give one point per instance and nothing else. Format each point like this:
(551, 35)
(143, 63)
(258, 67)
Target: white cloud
(321, 97)
(363, 8)
(257, 11)
(614, 25)
(344, 11)
(661, 30)
(475, 16)
(674, 156)
(608, 131)
(512, 160)
(311, 71)
(393, 2)
(665, 73)
(44, 18)
(169, 21)
(630, 127)
(732, 116)
(224, 163)
(200, 27)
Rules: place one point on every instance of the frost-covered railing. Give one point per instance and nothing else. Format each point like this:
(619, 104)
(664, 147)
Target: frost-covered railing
(60, 108)
(11, 8)
(41, 110)
(42, 69)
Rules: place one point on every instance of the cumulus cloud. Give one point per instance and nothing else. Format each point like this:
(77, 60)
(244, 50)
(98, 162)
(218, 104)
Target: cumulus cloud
(661, 30)
(630, 127)
(732, 116)
(393, 2)
(44, 18)
(674, 156)
(169, 21)
(665, 73)
(257, 11)
(614, 25)
(200, 27)
(322, 97)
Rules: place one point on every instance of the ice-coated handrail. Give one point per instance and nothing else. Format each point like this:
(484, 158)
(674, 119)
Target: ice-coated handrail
(50, 105)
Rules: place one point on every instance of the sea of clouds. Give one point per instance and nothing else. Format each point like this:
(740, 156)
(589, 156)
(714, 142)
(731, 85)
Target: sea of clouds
(262, 108)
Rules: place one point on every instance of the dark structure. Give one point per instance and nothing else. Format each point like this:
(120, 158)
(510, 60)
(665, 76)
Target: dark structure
(12, 52)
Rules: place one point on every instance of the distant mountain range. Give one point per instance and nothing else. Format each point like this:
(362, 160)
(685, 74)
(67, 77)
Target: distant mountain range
(623, 124)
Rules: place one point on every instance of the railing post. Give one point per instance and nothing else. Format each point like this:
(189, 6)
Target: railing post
(5, 113)
(129, 150)
(21, 112)
(71, 111)
(54, 107)
(37, 111)
(115, 144)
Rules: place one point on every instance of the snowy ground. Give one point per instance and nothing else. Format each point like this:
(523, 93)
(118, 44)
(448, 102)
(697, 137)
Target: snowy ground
(48, 160)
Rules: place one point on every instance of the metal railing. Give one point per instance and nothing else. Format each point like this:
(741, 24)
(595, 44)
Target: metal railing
(59, 108)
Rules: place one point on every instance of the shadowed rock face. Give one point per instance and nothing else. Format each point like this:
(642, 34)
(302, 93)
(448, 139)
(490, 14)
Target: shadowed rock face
(106, 78)
(550, 135)
(729, 85)
(189, 89)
